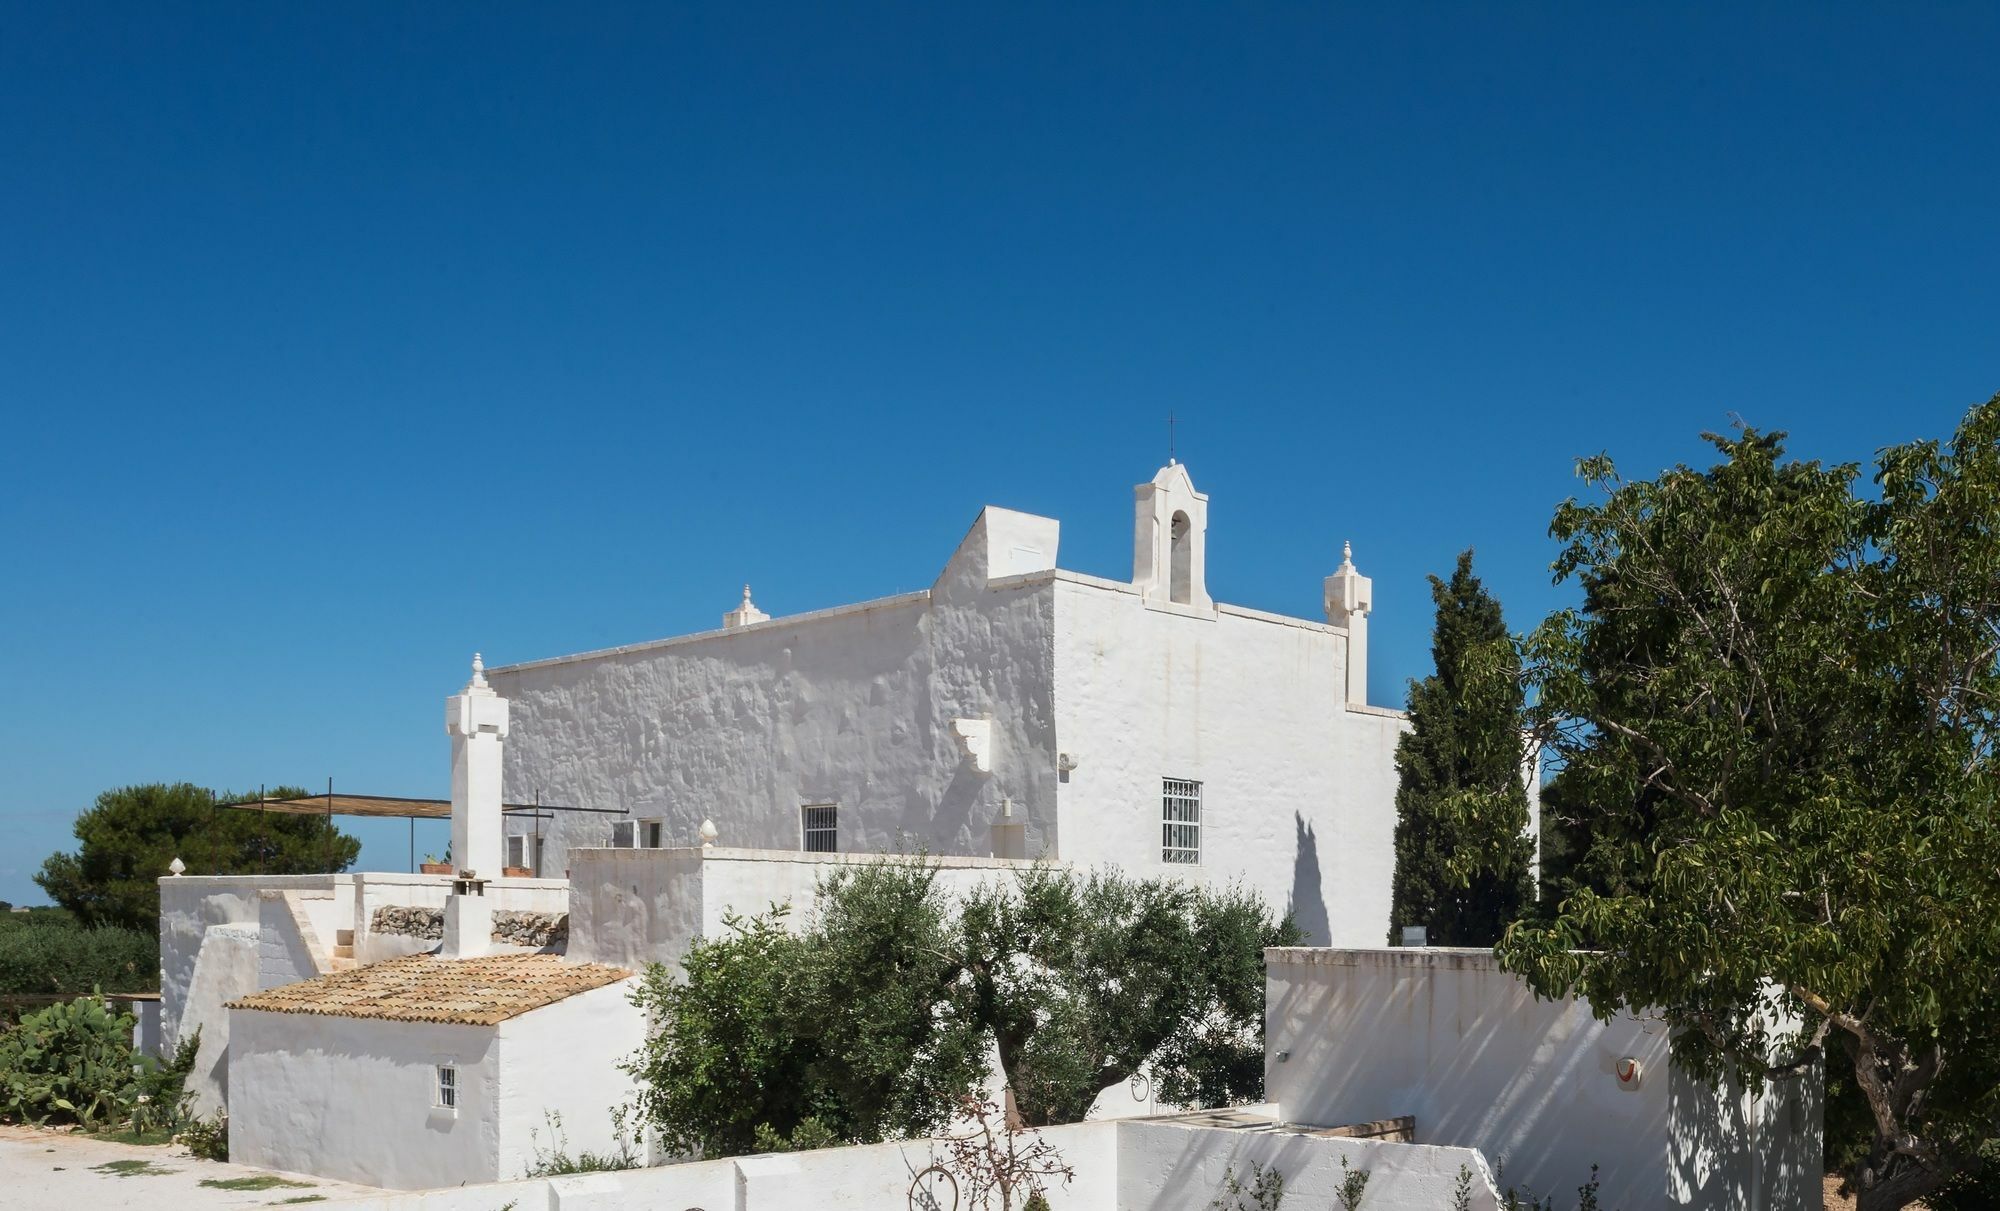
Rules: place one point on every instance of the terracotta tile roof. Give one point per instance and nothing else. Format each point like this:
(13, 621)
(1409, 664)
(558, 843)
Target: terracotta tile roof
(421, 988)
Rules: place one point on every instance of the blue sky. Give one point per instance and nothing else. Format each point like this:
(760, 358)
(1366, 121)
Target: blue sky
(337, 342)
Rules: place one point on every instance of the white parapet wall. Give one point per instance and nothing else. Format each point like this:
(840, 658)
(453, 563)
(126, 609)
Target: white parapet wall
(1541, 1087)
(1129, 1165)
(631, 907)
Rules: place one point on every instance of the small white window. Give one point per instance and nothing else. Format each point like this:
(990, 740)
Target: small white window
(819, 826)
(1180, 821)
(447, 1086)
(652, 834)
(524, 851)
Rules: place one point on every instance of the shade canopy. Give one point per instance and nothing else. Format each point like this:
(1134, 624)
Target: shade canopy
(383, 807)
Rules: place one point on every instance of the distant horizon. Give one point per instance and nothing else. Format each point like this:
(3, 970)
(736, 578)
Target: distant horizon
(341, 344)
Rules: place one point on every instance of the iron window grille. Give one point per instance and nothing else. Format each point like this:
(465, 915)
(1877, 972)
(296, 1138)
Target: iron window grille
(819, 827)
(447, 1087)
(1180, 821)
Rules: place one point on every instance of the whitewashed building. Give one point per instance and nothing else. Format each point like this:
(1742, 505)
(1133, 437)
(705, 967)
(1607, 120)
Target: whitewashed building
(1013, 709)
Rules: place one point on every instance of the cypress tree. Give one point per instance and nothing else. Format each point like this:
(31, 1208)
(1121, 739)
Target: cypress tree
(1464, 752)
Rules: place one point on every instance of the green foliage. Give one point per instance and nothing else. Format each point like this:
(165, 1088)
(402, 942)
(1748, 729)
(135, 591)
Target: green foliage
(556, 1160)
(254, 1181)
(70, 1063)
(206, 1139)
(875, 1021)
(1779, 699)
(849, 1031)
(1461, 1193)
(1463, 853)
(133, 1168)
(808, 1135)
(132, 833)
(1353, 1185)
(1036, 1202)
(1262, 1188)
(63, 959)
(1085, 979)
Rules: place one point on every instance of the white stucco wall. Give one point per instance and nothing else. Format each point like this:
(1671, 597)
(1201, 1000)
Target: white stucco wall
(354, 1099)
(1122, 1166)
(852, 706)
(856, 705)
(631, 907)
(1446, 1036)
(564, 1058)
(189, 906)
(1298, 791)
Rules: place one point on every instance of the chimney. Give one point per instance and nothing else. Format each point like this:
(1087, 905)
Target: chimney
(476, 719)
(1349, 597)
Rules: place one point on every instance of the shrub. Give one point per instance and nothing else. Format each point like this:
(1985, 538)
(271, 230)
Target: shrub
(556, 1159)
(71, 1062)
(207, 1139)
(56, 958)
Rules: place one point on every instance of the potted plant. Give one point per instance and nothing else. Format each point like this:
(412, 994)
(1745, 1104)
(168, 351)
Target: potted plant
(514, 872)
(434, 865)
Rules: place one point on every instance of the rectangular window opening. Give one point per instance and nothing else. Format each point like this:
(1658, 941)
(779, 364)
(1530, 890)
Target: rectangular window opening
(819, 827)
(652, 834)
(1180, 821)
(447, 1086)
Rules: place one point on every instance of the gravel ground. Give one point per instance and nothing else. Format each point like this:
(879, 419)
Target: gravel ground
(58, 1171)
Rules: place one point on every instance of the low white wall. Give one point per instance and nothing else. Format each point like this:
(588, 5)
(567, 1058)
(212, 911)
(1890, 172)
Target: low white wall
(189, 906)
(354, 1099)
(1446, 1036)
(1164, 1166)
(632, 907)
(290, 946)
(225, 968)
(1131, 1165)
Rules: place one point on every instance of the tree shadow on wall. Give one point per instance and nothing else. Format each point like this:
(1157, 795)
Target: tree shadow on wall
(1308, 905)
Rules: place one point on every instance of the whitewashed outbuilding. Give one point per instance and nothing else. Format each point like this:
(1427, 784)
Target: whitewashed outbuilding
(424, 1071)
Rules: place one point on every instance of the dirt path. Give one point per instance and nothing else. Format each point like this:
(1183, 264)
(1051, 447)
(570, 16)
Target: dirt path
(57, 1171)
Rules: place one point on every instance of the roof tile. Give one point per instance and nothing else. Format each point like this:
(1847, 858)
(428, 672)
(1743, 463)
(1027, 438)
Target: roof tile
(423, 988)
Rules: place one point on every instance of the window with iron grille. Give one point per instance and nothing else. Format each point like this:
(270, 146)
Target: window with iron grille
(819, 826)
(447, 1086)
(1180, 821)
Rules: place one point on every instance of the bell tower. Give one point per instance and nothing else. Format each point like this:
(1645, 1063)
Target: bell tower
(1170, 540)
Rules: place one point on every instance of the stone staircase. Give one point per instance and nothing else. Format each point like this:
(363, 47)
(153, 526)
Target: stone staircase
(342, 958)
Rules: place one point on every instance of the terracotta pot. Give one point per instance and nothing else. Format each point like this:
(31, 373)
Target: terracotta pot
(514, 872)
(435, 868)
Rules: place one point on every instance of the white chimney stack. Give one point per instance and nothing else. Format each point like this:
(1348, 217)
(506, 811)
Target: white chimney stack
(1349, 598)
(476, 718)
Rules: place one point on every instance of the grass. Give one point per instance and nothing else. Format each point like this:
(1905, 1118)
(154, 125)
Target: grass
(258, 1181)
(132, 1168)
(125, 1135)
(302, 1198)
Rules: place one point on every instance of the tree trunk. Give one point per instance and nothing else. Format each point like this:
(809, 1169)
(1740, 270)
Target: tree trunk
(1899, 1189)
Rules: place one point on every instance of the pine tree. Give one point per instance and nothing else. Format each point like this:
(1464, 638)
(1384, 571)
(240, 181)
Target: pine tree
(1464, 749)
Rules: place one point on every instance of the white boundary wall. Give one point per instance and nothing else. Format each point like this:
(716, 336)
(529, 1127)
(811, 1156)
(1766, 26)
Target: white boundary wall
(1130, 1165)
(1446, 1036)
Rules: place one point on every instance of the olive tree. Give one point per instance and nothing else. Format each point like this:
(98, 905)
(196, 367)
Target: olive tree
(1778, 697)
